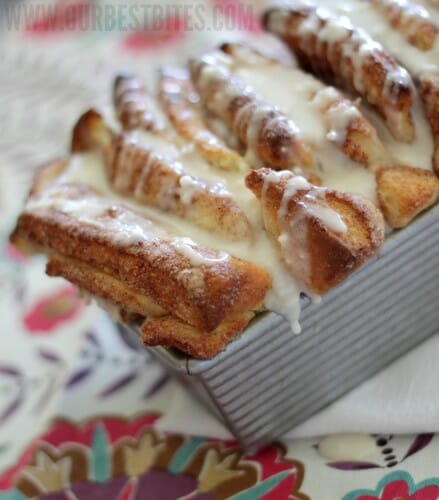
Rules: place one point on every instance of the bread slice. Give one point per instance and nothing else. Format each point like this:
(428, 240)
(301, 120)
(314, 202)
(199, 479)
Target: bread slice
(411, 20)
(354, 134)
(102, 285)
(323, 234)
(201, 286)
(169, 331)
(147, 176)
(269, 137)
(404, 192)
(329, 46)
(134, 107)
(179, 100)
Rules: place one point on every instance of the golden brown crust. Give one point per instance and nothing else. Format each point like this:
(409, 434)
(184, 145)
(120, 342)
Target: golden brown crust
(179, 100)
(134, 108)
(90, 133)
(201, 295)
(102, 285)
(246, 54)
(412, 21)
(404, 192)
(336, 61)
(429, 90)
(138, 172)
(318, 256)
(360, 140)
(268, 135)
(155, 181)
(169, 331)
(196, 298)
(160, 328)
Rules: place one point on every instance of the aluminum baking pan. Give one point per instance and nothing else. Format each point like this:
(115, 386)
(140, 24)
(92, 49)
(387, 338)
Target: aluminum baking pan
(268, 380)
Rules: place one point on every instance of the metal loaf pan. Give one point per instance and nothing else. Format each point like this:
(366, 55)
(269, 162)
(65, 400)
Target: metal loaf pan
(268, 380)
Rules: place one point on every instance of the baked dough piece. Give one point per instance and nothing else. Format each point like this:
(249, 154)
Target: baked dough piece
(331, 47)
(269, 137)
(135, 108)
(347, 127)
(181, 105)
(169, 331)
(103, 285)
(153, 179)
(201, 287)
(129, 306)
(194, 296)
(405, 192)
(323, 234)
(402, 191)
(429, 90)
(411, 20)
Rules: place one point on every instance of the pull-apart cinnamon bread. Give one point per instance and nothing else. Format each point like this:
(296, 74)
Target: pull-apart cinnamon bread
(241, 183)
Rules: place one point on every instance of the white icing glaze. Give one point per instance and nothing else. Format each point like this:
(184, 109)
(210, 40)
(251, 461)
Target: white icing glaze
(259, 114)
(294, 185)
(418, 153)
(360, 48)
(395, 78)
(183, 159)
(82, 209)
(292, 93)
(412, 15)
(339, 117)
(132, 92)
(189, 187)
(127, 85)
(284, 297)
(185, 246)
(301, 97)
(309, 203)
(154, 142)
(125, 228)
(330, 218)
(364, 15)
(357, 44)
(293, 239)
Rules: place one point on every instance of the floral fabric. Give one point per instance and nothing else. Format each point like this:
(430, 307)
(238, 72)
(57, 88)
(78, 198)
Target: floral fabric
(84, 411)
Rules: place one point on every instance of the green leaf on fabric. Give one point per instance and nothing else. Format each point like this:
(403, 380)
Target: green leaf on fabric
(100, 455)
(261, 489)
(184, 454)
(12, 495)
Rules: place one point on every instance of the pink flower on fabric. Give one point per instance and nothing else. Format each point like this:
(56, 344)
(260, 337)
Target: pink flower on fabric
(116, 429)
(49, 312)
(13, 254)
(64, 17)
(399, 485)
(163, 33)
